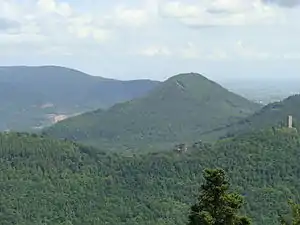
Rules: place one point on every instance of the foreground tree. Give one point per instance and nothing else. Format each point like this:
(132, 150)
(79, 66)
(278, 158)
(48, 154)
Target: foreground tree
(216, 206)
(295, 215)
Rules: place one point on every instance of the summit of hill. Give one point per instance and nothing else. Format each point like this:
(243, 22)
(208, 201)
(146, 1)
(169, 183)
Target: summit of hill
(179, 109)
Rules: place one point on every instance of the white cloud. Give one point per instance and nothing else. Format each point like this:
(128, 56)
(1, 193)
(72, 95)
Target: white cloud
(120, 32)
(223, 13)
(56, 22)
(86, 27)
(283, 3)
(51, 6)
(218, 54)
(246, 51)
(190, 51)
(155, 51)
(47, 5)
(291, 55)
(250, 52)
(130, 17)
(232, 6)
(180, 10)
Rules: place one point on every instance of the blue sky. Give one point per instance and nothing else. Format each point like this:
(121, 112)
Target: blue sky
(155, 39)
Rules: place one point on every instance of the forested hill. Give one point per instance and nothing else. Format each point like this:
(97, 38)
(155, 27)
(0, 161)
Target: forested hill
(33, 97)
(180, 109)
(45, 181)
(272, 115)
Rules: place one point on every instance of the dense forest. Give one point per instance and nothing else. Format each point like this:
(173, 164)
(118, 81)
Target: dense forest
(272, 115)
(180, 109)
(46, 181)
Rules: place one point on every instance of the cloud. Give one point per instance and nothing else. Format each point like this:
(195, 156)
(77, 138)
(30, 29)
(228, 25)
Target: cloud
(190, 51)
(219, 55)
(222, 13)
(7, 25)
(98, 35)
(88, 27)
(250, 52)
(51, 6)
(187, 51)
(179, 10)
(155, 50)
(59, 23)
(53, 20)
(135, 17)
(283, 3)
(230, 6)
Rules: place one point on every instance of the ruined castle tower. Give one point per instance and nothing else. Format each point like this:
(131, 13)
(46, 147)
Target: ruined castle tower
(290, 121)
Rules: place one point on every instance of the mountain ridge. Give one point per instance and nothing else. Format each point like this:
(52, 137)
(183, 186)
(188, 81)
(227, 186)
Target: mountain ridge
(177, 109)
(69, 92)
(272, 115)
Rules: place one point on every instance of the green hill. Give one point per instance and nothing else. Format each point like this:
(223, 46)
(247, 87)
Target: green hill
(180, 109)
(272, 115)
(33, 97)
(44, 181)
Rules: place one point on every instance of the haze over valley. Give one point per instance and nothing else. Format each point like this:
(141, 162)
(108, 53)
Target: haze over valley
(264, 90)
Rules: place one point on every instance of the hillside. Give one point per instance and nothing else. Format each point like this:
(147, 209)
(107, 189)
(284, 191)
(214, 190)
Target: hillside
(271, 115)
(180, 109)
(58, 182)
(37, 96)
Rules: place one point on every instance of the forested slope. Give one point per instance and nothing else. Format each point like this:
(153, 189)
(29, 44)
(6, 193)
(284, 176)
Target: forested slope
(180, 109)
(45, 181)
(272, 115)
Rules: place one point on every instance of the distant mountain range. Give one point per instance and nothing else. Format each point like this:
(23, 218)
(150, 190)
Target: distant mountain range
(34, 97)
(179, 109)
(126, 112)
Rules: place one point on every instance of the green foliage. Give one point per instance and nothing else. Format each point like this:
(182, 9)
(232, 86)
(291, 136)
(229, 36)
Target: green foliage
(272, 115)
(216, 206)
(29, 95)
(181, 109)
(45, 181)
(295, 215)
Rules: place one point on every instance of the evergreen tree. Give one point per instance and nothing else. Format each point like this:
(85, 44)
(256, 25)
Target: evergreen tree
(216, 206)
(295, 215)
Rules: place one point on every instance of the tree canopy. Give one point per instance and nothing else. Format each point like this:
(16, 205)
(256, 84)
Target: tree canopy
(53, 182)
(216, 205)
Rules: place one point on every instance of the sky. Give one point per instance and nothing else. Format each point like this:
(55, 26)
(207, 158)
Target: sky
(155, 39)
